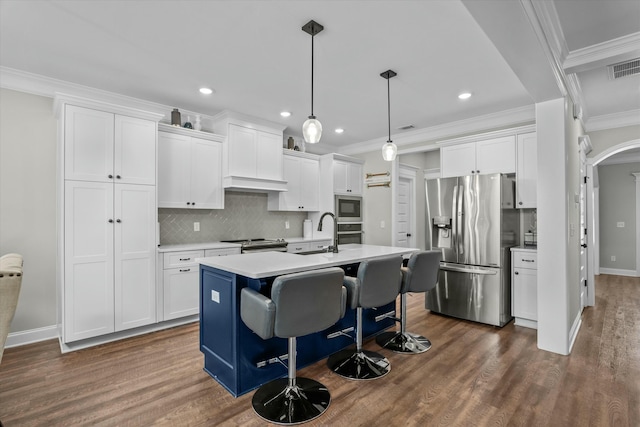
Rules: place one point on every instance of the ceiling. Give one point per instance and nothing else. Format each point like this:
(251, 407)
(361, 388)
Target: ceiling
(256, 58)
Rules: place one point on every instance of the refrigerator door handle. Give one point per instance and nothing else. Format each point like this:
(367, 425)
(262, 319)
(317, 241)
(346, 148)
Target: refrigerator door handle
(468, 269)
(454, 213)
(460, 225)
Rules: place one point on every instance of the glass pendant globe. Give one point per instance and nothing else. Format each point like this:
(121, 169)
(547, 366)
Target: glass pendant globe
(389, 151)
(312, 130)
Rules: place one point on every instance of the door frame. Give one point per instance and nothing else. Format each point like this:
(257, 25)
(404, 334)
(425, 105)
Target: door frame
(593, 215)
(401, 170)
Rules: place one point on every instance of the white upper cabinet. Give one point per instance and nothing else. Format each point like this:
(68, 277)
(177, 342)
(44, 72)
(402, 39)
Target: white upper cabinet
(134, 151)
(88, 148)
(252, 152)
(497, 155)
(302, 173)
(347, 177)
(189, 171)
(106, 147)
(527, 171)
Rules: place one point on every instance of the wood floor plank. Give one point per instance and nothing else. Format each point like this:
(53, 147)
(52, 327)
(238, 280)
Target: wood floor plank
(474, 375)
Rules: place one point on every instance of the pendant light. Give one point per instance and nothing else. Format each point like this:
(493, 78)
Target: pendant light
(389, 150)
(312, 128)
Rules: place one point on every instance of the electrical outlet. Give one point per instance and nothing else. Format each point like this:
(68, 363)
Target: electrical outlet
(613, 258)
(196, 226)
(620, 225)
(382, 224)
(286, 225)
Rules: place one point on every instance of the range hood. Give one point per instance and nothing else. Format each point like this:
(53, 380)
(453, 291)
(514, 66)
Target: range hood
(258, 185)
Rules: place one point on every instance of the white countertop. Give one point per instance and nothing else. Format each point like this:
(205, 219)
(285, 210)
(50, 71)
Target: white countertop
(197, 246)
(302, 239)
(269, 264)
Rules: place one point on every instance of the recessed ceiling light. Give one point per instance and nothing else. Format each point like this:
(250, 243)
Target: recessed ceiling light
(206, 91)
(339, 130)
(285, 114)
(465, 95)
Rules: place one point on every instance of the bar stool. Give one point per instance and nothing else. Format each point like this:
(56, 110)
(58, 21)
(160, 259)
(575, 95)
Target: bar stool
(300, 304)
(377, 283)
(420, 275)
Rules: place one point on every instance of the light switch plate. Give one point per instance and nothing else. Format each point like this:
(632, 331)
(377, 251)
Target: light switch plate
(620, 224)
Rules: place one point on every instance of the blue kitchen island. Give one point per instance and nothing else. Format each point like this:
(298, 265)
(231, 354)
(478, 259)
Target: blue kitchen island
(239, 359)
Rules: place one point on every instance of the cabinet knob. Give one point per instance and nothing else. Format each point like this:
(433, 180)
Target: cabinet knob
(193, 203)
(110, 176)
(110, 221)
(473, 172)
(477, 171)
(188, 203)
(118, 221)
(520, 203)
(118, 176)
(516, 273)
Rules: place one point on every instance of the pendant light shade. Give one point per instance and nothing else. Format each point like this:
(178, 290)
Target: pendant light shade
(312, 128)
(389, 150)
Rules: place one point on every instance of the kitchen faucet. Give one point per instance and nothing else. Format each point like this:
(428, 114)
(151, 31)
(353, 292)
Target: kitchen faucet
(333, 248)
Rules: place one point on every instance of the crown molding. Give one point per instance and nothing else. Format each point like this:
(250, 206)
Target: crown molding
(602, 54)
(513, 117)
(612, 121)
(40, 85)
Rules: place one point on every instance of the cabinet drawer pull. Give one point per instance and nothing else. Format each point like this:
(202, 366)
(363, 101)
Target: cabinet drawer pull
(527, 260)
(185, 259)
(185, 270)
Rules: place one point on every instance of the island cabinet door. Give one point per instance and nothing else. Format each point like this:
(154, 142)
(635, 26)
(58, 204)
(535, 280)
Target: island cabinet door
(218, 325)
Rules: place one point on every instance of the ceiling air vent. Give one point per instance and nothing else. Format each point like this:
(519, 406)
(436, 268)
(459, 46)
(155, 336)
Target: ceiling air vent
(407, 127)
(624, 69)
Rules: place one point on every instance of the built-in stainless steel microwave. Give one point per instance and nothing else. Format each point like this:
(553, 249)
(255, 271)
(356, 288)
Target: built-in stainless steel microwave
(348, 208)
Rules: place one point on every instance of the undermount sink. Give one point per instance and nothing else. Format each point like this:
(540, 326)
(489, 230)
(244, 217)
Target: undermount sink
(319, 251)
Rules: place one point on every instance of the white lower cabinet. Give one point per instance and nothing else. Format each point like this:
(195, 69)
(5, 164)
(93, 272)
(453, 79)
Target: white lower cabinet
(109, 252)
(524, 287)
(180, 280)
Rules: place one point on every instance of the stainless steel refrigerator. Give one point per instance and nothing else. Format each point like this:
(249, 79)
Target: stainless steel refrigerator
(473, 221)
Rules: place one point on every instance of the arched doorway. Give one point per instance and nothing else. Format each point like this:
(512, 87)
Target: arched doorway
(593, 231)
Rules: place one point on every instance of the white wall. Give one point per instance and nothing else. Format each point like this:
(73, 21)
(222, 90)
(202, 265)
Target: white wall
(603, 139)
(618, 204)
(377, 202)
(558, 236)
(28, 202)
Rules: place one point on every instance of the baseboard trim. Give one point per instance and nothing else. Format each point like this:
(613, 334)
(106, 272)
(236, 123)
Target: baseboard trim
(16, 339)
(573, 333)
(618, 272)
(91, 342)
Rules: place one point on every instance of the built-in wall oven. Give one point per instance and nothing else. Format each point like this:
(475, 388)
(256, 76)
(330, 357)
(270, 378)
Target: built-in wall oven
(349, 233)
(348, 208)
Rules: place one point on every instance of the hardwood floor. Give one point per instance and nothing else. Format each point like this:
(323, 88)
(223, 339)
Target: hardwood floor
(474, 375)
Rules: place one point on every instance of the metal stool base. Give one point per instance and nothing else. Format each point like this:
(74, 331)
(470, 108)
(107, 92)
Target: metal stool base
(364, 365)
(406, 343)
(279, 403)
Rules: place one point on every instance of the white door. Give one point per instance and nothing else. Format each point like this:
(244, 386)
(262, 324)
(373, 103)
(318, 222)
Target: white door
(355, 178)
(88, 267)
(290, 199)
(181, 292)
(340, 180)
(88, 147)
(583, 232)
(206, 175)
(527, 171)
(174, 170)
(405, 224)
(134, 256)
(134, 151)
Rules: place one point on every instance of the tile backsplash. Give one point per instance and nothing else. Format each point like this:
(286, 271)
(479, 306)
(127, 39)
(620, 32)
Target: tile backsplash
(245, 215)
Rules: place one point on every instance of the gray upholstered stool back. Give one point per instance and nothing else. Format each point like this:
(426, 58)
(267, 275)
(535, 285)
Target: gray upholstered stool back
(300, 304)
(421, 273)
(379, 282)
